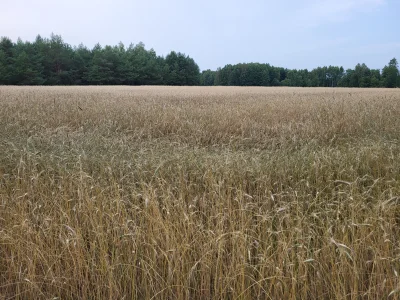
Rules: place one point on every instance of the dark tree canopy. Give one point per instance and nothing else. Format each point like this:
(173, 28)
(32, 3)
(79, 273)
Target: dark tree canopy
(54, 62)
(255, 74)
(51, 61)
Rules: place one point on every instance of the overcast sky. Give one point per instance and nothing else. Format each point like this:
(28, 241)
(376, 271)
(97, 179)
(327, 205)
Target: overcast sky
(287, 33)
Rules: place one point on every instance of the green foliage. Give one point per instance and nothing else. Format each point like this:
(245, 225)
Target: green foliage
(207, 78)
(390, 74)
(3, 67)
(142, 67)
(54, 62)
(254, 74)
(6, 61)
(182, 70)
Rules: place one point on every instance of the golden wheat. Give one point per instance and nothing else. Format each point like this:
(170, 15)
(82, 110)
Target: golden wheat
(199, 193)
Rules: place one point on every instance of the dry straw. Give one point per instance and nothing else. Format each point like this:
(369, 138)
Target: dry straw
(199, 193)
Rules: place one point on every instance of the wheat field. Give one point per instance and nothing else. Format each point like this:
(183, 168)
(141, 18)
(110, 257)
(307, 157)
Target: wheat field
(199, 193)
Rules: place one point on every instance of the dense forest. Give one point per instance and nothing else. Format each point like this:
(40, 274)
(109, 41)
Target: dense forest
(51, 61)
(256, 74)
(54, 62)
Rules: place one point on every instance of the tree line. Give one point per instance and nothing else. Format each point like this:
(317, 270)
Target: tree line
(51, 61)
(256, 74)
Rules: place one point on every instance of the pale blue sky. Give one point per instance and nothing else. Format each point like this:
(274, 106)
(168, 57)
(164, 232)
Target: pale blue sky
(287, 33)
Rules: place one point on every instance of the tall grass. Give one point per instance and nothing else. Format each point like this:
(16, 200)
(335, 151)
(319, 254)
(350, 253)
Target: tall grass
(199, 193)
